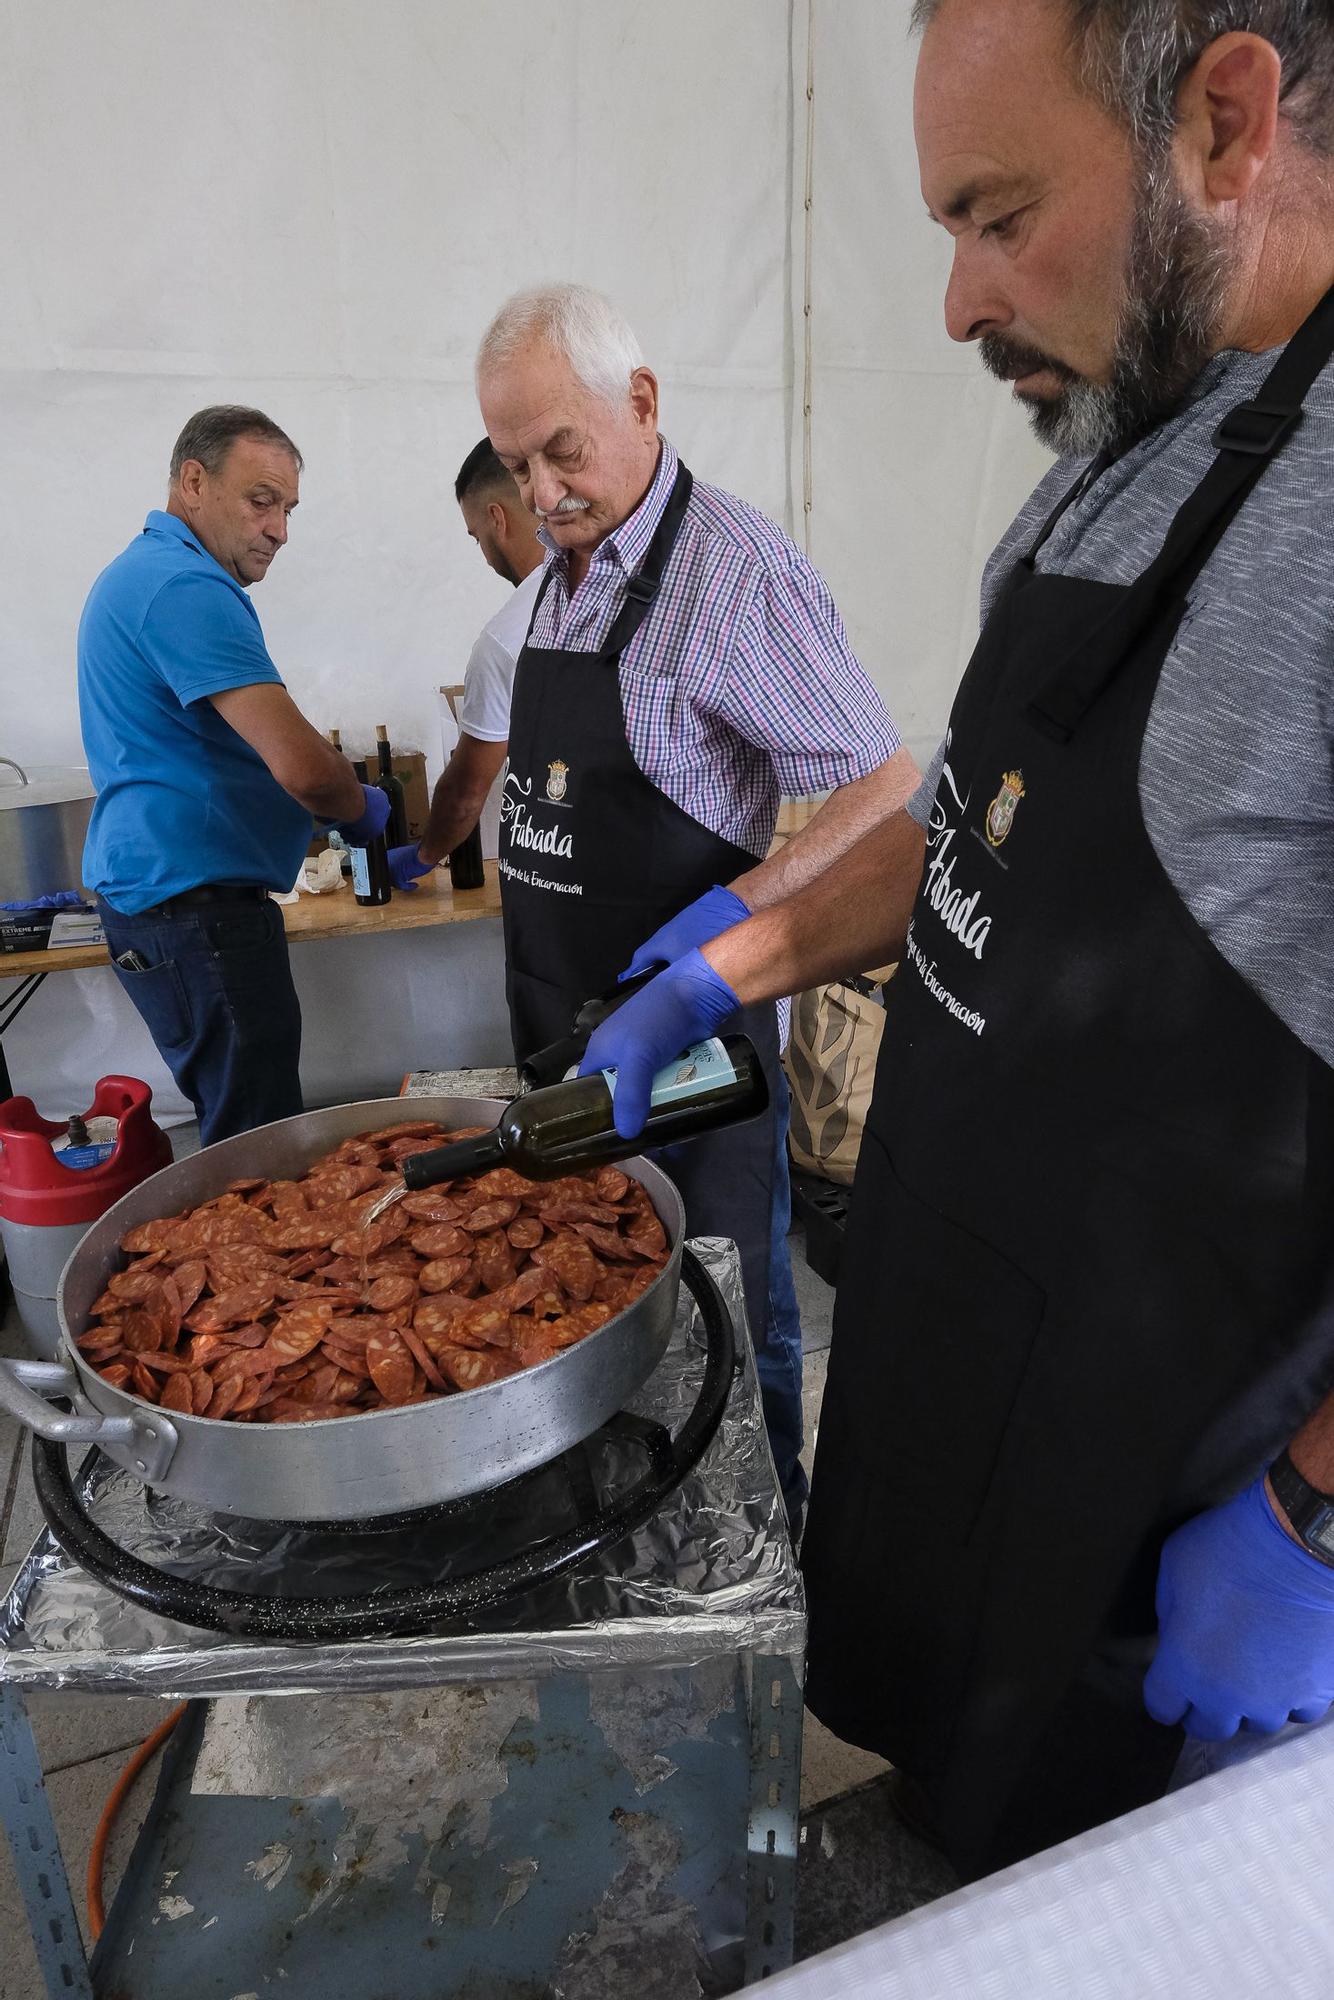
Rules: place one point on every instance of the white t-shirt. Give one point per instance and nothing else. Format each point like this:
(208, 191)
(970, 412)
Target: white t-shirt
(488, 679)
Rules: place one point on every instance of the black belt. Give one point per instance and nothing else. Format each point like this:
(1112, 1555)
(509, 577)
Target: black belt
(208, 892)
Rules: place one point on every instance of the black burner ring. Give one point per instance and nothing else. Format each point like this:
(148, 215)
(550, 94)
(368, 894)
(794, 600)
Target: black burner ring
(419, 1607)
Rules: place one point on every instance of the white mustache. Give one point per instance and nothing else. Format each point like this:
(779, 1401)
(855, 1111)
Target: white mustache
(569, 505)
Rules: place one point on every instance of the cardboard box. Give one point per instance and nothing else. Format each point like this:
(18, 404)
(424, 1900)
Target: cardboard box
(410, 767)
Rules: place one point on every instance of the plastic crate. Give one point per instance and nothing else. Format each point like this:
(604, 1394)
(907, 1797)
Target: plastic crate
(822, 1209)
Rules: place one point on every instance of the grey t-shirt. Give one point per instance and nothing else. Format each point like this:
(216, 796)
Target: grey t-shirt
(1237, 771)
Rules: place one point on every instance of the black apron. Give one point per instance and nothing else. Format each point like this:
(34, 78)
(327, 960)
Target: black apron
(1085, 1290)
(593, 858)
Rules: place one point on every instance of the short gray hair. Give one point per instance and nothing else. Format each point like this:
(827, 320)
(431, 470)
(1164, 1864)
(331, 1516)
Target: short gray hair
(1134, 55)
(575, 322)
(210, 434)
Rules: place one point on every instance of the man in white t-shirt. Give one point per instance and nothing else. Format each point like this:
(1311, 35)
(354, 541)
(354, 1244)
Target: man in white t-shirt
(506, 534)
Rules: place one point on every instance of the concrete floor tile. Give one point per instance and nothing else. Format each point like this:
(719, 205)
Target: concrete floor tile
(815, 1367)
(829, 1768)
(11, 1437)
(814, 1297)
(25, 1522)
(184, 1140)
(73, 1728)
(859, 1866)
(12, 1339)
(77, 1797)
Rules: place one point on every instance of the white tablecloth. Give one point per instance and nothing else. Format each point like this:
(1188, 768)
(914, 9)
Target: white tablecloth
(1222, 1891)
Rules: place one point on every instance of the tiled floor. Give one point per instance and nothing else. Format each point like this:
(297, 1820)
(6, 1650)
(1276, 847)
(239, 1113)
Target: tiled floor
(86, 1740)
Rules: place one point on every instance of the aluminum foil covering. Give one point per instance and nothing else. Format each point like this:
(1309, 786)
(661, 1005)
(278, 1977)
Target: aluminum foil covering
(712, 1572)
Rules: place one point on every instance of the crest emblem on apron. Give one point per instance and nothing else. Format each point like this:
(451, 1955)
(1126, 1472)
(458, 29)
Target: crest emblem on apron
(556, 776)
(1001, 811)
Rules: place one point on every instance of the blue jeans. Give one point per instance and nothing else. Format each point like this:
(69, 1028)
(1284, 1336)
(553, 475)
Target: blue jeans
(217, 998)
(779, 1361)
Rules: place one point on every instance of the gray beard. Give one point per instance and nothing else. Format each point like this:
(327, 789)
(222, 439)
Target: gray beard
(1176, 278)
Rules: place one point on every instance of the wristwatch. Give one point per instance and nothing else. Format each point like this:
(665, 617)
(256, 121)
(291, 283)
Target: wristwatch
(1310, 1511)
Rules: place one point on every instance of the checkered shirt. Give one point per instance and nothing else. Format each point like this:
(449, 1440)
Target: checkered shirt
(740, 686)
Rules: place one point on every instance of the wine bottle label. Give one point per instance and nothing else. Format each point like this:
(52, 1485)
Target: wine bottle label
(706, 1066)
(361, 871)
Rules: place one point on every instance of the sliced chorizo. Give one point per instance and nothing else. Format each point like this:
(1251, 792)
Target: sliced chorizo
(393, 1370)
(441, 1239)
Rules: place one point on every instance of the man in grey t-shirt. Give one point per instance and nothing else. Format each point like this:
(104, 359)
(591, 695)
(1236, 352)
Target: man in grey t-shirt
(1237, 771)
(1085, 1332)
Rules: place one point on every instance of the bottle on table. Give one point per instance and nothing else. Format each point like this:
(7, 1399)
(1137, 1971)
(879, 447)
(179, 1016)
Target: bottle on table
(565, 1128)
(371, 884)
(557, 1059)
(466, 870)
(392, 787)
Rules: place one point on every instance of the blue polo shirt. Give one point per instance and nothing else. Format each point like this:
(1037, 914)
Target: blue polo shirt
(181, 798)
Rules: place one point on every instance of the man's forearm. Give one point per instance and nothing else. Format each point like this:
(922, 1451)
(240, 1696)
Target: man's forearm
(459, 796)
(846, 816)
(853, 916)
(453, 818)
(337, 796)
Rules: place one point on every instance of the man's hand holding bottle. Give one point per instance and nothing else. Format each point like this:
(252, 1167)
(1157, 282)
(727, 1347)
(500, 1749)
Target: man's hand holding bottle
(406, 866)
(374, 818)
(686, 1003)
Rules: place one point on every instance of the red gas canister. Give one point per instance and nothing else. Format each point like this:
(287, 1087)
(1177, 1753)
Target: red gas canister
(46, 1206)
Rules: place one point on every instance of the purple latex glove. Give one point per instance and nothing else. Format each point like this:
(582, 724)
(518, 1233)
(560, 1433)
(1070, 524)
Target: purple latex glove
(709, 915)
(406, 866)
(373, 820)
(686, 1003)
(1245, 1625)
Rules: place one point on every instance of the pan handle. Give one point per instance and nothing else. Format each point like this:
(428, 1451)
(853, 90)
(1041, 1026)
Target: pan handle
(26, 1388)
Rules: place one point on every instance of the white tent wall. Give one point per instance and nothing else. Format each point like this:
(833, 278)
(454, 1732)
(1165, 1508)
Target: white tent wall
(315, 208)
(917, 460)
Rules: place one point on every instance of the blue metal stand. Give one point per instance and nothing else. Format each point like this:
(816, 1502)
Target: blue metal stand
(38, 1862)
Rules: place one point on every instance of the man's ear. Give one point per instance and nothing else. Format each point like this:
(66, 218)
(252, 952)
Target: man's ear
(644, 399)
(499, 519)
(1227, 118)
(190, 479)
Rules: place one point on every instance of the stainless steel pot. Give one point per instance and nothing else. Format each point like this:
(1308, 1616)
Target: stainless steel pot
(44, 815)
(338, 1468)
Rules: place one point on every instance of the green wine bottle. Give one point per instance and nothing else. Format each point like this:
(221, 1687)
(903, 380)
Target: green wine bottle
(551, 1064)
(566, 1128)
(371, 881)
(391, 785)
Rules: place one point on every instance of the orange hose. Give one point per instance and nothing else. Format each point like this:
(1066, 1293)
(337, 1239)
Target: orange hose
(120, 1792)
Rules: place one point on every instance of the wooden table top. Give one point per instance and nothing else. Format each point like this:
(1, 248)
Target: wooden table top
(335, 914)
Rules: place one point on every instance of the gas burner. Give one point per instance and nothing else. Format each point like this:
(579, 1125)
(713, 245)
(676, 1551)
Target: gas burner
(338, 1578)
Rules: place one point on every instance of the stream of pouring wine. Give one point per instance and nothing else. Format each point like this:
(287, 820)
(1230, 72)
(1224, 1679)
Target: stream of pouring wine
(386, 1201)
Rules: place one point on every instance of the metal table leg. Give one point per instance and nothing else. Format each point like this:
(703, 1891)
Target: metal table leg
(38, 1862)
(10, 1009)
(775, 1801)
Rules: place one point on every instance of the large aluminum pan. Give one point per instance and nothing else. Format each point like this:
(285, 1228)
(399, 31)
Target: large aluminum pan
(340, 1468)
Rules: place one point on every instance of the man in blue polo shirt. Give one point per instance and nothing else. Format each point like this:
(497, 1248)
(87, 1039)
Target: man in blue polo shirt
(207, 774)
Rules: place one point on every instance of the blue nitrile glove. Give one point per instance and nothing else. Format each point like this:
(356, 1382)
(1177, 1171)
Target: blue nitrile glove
(374, 818)
(64, 899)
(1245, 1625)
(406, 866)
(686, 1003)
(707, 917)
